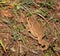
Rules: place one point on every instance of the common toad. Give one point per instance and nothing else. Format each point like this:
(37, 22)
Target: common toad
(36, 30)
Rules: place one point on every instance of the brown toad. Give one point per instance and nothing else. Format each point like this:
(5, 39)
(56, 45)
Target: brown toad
(36, 30)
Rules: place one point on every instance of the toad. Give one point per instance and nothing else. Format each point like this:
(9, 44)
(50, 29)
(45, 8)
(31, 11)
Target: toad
(36, 30)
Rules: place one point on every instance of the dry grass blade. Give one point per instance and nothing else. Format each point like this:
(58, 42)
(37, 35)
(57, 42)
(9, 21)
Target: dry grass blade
(4, 48)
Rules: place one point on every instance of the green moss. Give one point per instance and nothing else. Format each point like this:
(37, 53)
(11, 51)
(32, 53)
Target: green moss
(46, 54)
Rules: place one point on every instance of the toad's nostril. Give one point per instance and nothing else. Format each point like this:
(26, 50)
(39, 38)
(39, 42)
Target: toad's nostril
(43, 46)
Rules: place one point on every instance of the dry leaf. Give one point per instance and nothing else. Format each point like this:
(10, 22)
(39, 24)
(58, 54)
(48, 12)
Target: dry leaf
(38, 1)
(6, 13)
(10, 6)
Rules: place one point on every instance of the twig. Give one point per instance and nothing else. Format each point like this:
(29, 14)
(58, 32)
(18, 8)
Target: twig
(43, 18)
(48, 23)
(30, 49)
(28, 35)
(57, 53)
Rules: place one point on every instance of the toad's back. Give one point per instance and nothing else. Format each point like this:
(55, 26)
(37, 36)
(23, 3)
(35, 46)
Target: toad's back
(35, 27)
